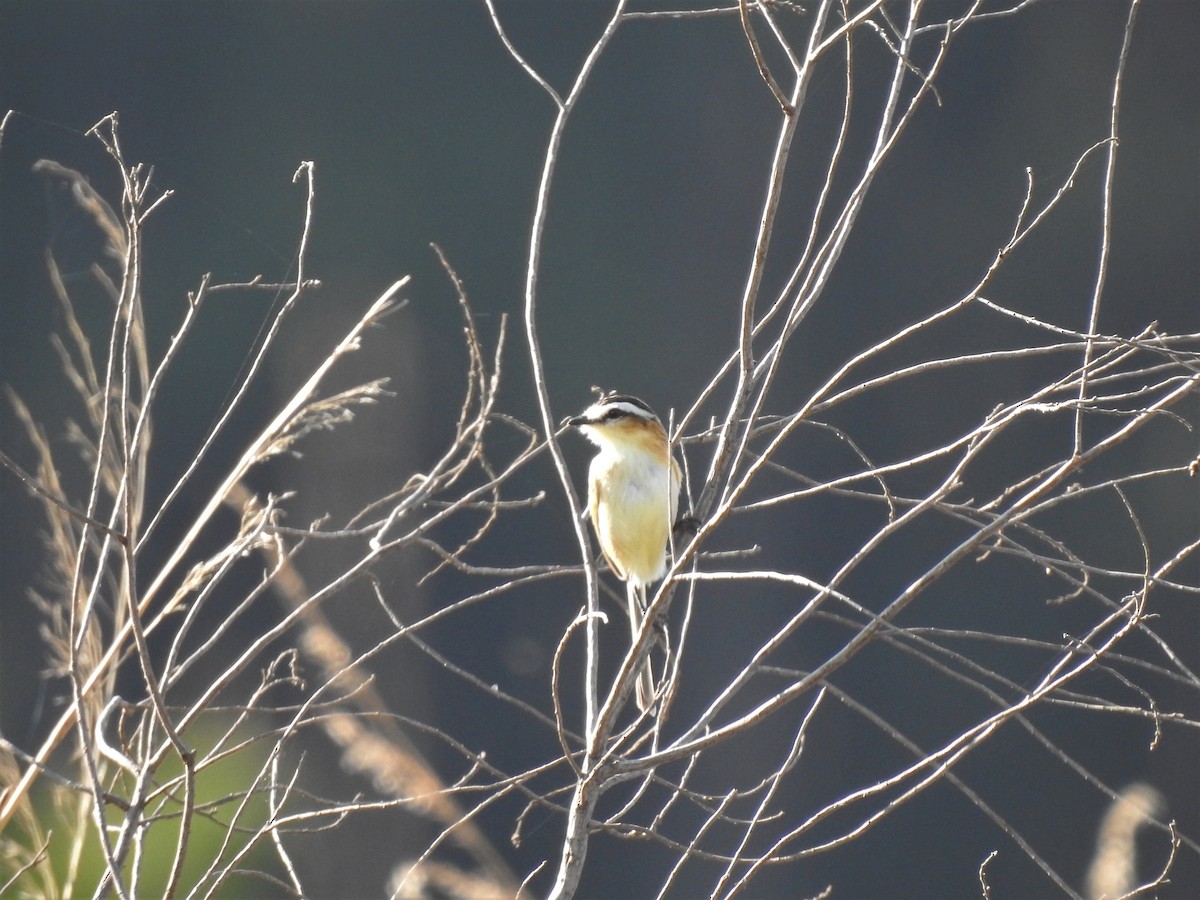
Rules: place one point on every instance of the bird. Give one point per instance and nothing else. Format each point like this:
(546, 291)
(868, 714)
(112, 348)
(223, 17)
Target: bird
(633, 495)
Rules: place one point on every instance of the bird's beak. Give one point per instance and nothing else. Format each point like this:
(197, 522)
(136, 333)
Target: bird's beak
(575, 421)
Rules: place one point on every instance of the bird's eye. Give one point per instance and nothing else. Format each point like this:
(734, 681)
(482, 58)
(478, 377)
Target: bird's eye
(613, 414)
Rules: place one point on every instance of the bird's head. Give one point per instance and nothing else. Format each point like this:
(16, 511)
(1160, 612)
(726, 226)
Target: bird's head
(619, 420)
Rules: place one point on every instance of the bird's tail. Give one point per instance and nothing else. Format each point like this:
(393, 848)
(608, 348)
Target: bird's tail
(636, 594)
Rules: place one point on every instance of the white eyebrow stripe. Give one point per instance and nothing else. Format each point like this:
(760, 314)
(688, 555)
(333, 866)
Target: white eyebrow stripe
(599, 409)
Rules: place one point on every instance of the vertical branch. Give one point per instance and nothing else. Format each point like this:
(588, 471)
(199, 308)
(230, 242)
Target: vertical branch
(1110, 168)
(104, 668)
(549, 427)
(722, 456)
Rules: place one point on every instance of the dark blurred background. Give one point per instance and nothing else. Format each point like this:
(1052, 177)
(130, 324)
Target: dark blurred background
(422, 129)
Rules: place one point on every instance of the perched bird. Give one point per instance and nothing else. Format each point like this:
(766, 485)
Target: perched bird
(633, 492)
